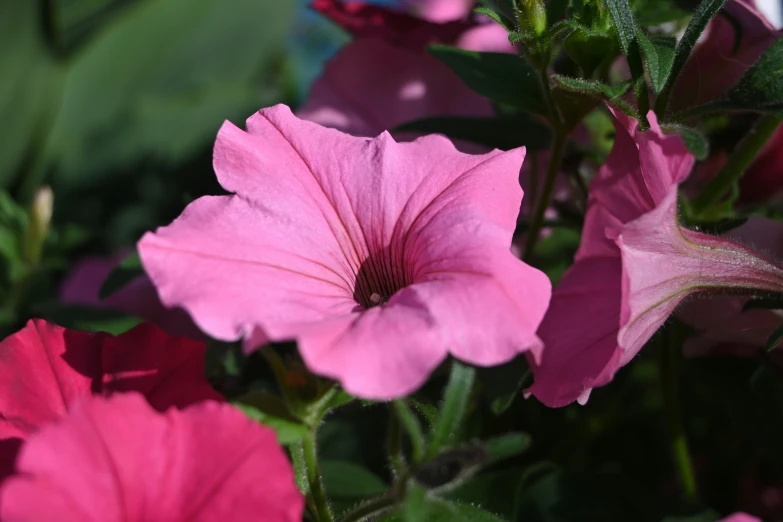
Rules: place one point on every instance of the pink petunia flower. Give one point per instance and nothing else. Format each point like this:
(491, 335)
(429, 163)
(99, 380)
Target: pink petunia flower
(385, 77)
(581, 326)
(379, 258)
(440, 10)
(44, 368)
(664, 263)
(117, 459)
(724, 327)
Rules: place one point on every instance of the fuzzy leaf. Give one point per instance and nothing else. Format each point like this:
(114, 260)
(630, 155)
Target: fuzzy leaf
(500, 18)
(761, 87)
(591, 87)
(659, 56)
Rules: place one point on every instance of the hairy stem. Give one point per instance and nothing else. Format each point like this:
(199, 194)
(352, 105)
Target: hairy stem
(317, 491)
(537, 219)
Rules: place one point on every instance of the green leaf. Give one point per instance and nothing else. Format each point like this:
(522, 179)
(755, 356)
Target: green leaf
(507, 446)
(500, 18)
(455, 401)
(346, 479)
(129, 269)
(88, 318)
(656, 12)
(502, 384)
(706, 10)
(412, 428)
(659, 56)
(591, 87)
(761, 87)
(145, 88)
(415, 507)
(28, 85)
(695, 141)
(590, 49)
(625, 25)
(774, 339)
(271, 411)
(504, 133)
(501, 77)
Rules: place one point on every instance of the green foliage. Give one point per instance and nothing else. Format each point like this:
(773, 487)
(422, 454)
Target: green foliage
(761, 87)
(504, 78)
(590, 49)
(695, 141)
(348, 480)
(452, 411)
(659, 56)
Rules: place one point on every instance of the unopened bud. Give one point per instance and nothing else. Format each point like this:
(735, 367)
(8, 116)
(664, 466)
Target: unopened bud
(531, 15)
(40, 218)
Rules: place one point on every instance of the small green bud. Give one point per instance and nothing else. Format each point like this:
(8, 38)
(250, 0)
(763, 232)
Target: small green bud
(531, 15)
(39, 221)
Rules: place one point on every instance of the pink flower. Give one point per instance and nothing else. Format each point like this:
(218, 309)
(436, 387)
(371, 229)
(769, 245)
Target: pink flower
(581, 327)
(740, 517)
(119, 460)
(44, 368)
(138, 298)
(440, 10)
(724, 327)
(664, 263)
(385, 77)
(725, 54)
(378, 257)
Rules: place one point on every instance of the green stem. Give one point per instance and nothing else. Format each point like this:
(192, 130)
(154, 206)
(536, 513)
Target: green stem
(669, 350)
(319, 500)
(537, 219)
(394, 443)
(740, 159)
(371, 507)
(412, 427)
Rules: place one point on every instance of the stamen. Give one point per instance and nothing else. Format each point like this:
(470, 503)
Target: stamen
(375, 298)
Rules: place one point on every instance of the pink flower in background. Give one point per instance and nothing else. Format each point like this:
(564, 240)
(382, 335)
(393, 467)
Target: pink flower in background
(722, 58)
(118, 460)
(440, 10)
(581, 326)
(664, 263)
(764, 178)
(740, 517)
(379, 258)
(44, 368)
(385, 77)
(138, 298)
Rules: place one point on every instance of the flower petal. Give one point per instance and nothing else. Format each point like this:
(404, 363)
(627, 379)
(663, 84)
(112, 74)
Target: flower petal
(117, 459)
(579, 333)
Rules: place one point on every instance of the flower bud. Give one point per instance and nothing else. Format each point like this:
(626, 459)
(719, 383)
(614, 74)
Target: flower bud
(531, 15)
(40, 218)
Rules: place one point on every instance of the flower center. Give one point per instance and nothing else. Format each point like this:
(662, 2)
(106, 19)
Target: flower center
(378, 279)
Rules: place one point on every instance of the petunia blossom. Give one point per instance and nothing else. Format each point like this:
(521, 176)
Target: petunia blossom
(385, 76)
(44, 368)
(440, 10)
(664, 263)
(581, 327)
(379, 258)
(118, 460)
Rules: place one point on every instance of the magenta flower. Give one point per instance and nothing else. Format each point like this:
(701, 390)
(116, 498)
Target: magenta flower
(44, 368)
(440, 10)
(726, 53)
(664, 263)
(385, 77)
(581, 327)
(118, 459)
(379, 258)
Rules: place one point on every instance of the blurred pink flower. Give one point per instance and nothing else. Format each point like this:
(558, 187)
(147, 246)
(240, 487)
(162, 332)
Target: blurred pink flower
(118, 460)
(664, 263)
(740, 517)
(138, 298)
(379, 258)
(581, 326)
(44, 368)
(763, 180)
(385, 77)
(440, 10)
(724, 55)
